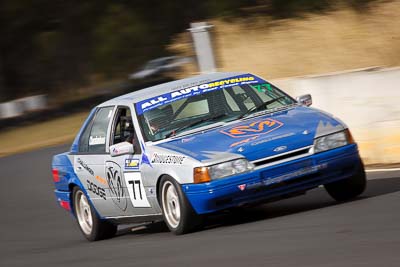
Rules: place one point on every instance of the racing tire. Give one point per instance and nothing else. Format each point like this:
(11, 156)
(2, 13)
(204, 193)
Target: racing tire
(177, 212)
(347, 189)
(91, 226)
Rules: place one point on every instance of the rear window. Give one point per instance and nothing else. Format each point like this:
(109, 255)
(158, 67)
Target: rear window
(94, 137)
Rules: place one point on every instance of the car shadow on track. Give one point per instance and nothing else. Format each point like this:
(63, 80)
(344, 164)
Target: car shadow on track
(144, 229)
(314, 199)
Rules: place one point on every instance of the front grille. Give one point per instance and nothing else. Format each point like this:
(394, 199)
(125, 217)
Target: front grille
(282, 157)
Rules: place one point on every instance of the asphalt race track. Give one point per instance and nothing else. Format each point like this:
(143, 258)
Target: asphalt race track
(310, 230)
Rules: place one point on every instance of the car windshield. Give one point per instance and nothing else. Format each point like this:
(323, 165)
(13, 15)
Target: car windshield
(162, 118)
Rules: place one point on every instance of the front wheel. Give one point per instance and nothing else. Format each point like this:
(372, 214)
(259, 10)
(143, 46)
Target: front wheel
(91, 226)
(177, 212)
(349, 188)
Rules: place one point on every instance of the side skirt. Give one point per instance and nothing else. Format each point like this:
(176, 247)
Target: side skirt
(135, 219)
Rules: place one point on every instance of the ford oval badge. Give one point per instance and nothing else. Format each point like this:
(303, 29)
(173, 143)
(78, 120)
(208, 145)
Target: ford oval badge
(280, 148)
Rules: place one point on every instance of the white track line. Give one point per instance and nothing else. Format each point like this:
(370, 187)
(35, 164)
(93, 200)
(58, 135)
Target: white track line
(383, 170)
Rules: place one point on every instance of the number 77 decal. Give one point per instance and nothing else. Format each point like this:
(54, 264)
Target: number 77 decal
(137, 194)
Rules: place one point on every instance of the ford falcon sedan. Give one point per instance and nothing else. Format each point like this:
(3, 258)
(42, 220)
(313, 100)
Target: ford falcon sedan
(182, 150)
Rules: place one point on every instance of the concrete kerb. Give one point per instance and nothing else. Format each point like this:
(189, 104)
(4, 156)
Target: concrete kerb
(366, 100)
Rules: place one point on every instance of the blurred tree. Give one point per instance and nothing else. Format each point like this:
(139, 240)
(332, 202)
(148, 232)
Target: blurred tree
(123, 39)
(50, 45)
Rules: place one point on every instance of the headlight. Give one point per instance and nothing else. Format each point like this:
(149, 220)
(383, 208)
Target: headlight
(332, 141)
(221, 170)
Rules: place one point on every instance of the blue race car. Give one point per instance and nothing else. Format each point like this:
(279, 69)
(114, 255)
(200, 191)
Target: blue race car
(181, 150)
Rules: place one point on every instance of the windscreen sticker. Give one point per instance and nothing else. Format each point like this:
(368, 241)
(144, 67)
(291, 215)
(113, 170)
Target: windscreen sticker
(157, 101)
(262, 88)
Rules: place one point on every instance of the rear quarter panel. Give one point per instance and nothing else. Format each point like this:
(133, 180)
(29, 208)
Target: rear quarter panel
(67, 177)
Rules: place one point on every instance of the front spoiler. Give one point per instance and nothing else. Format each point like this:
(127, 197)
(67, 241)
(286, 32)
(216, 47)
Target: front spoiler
(274, 182)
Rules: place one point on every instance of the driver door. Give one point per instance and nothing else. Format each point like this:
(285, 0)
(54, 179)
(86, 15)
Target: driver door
(128, 190)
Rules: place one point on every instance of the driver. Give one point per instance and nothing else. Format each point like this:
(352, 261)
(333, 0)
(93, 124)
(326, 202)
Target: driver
(127, 129)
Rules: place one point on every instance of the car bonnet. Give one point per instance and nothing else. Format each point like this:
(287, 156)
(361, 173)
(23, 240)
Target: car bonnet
(257, 137)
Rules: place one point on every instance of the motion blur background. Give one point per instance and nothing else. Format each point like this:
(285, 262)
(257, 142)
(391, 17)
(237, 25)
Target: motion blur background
(58, 59)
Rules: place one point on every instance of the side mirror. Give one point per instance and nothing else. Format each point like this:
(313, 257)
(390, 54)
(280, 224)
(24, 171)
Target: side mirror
(305, 100)
(119, 149)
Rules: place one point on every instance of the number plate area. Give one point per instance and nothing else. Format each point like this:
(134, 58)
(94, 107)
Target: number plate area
(291, 171)
(137, 193)
(286, 169)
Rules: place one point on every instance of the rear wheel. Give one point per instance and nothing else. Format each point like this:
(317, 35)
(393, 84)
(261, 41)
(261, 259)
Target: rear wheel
(177, 212)
(349, 188)
(91, 226)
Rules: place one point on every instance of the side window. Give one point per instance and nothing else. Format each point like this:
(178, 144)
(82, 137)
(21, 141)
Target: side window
(84, 140)
(123, 129)
(94, 137)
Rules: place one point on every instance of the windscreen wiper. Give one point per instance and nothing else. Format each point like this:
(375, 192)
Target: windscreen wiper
(258, 107)
(174, 132)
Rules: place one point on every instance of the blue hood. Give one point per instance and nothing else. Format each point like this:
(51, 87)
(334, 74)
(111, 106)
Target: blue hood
(258, 137)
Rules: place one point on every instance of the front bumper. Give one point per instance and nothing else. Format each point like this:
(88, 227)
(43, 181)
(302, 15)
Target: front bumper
(274, 182)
